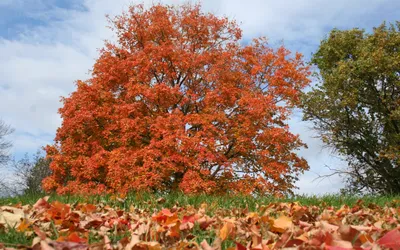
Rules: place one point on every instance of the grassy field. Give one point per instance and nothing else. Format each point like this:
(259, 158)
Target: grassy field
(219, 209)
(149, 200)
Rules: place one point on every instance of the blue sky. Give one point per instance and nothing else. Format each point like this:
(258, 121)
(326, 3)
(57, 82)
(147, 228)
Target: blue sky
(45, 45)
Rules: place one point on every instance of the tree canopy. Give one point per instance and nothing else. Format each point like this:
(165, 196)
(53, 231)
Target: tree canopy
(177, 102)
(356, 105)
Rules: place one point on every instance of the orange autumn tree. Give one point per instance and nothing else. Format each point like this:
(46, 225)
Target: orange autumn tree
(178, 103)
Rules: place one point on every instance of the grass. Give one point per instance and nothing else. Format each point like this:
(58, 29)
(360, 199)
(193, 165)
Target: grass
(151, 201)
(14, 237)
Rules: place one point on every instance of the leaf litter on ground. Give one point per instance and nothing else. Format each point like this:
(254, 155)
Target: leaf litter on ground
(279, 225)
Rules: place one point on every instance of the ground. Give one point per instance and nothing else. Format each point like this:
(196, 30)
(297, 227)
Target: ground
(177, 221)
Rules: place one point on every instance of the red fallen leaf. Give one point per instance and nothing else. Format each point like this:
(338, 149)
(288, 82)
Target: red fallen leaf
(336, 248)
(39, 233)
(58, 212)
(335, 244)
(317, 238)
(73, 237)
(74, 217)
(348, 233)
(187, 222)
(42, 203)
(240, 246)
(124, 241)
(204, 222)
(162, 215)
(95, 223)
(390, 240)
(174, 231)
(282, 240)
(167, 212)
(294, 243)
(190, 218)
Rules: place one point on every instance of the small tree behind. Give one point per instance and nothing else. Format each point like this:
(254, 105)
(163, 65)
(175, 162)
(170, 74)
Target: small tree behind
(356, 108)
(179, 103)
(26, 175)
(39, 169)
(5, 144)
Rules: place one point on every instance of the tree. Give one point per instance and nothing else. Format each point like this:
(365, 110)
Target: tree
(5, 145)
(356, 106)
(27, 175)
(178, 103)
(37, 171)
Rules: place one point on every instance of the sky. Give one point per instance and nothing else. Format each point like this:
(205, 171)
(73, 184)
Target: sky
(46, 45)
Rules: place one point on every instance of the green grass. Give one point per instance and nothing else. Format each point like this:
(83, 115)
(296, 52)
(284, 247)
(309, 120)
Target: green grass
(149, 200)
(14, 237)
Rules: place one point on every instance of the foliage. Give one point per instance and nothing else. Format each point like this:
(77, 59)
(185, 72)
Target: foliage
(5, 130)
(38, 171)
(356, 107)
(277, 225)
(28, 175)
(179, 103)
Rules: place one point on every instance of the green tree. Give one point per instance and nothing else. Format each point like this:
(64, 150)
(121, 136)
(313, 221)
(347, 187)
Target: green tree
(5, 130)
(28, 173)
(38, 170)
(355, 107)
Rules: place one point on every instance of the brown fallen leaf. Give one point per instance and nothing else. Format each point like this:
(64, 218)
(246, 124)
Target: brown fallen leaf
(204, 244)
(11, 216)
(161, 200)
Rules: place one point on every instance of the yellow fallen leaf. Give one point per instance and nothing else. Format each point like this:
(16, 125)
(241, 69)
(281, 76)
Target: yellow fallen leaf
(151, 245)
(365, 238)
(24, 226)
(225, 230)
(281, 224)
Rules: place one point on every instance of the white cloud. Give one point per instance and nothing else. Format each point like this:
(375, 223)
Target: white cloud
(42, 63)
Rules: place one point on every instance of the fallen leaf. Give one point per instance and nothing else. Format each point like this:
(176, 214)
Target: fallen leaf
(390, 240)
(225, 230)
(206, 246)
(24, 226)
(281, 224)
(11, 216)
